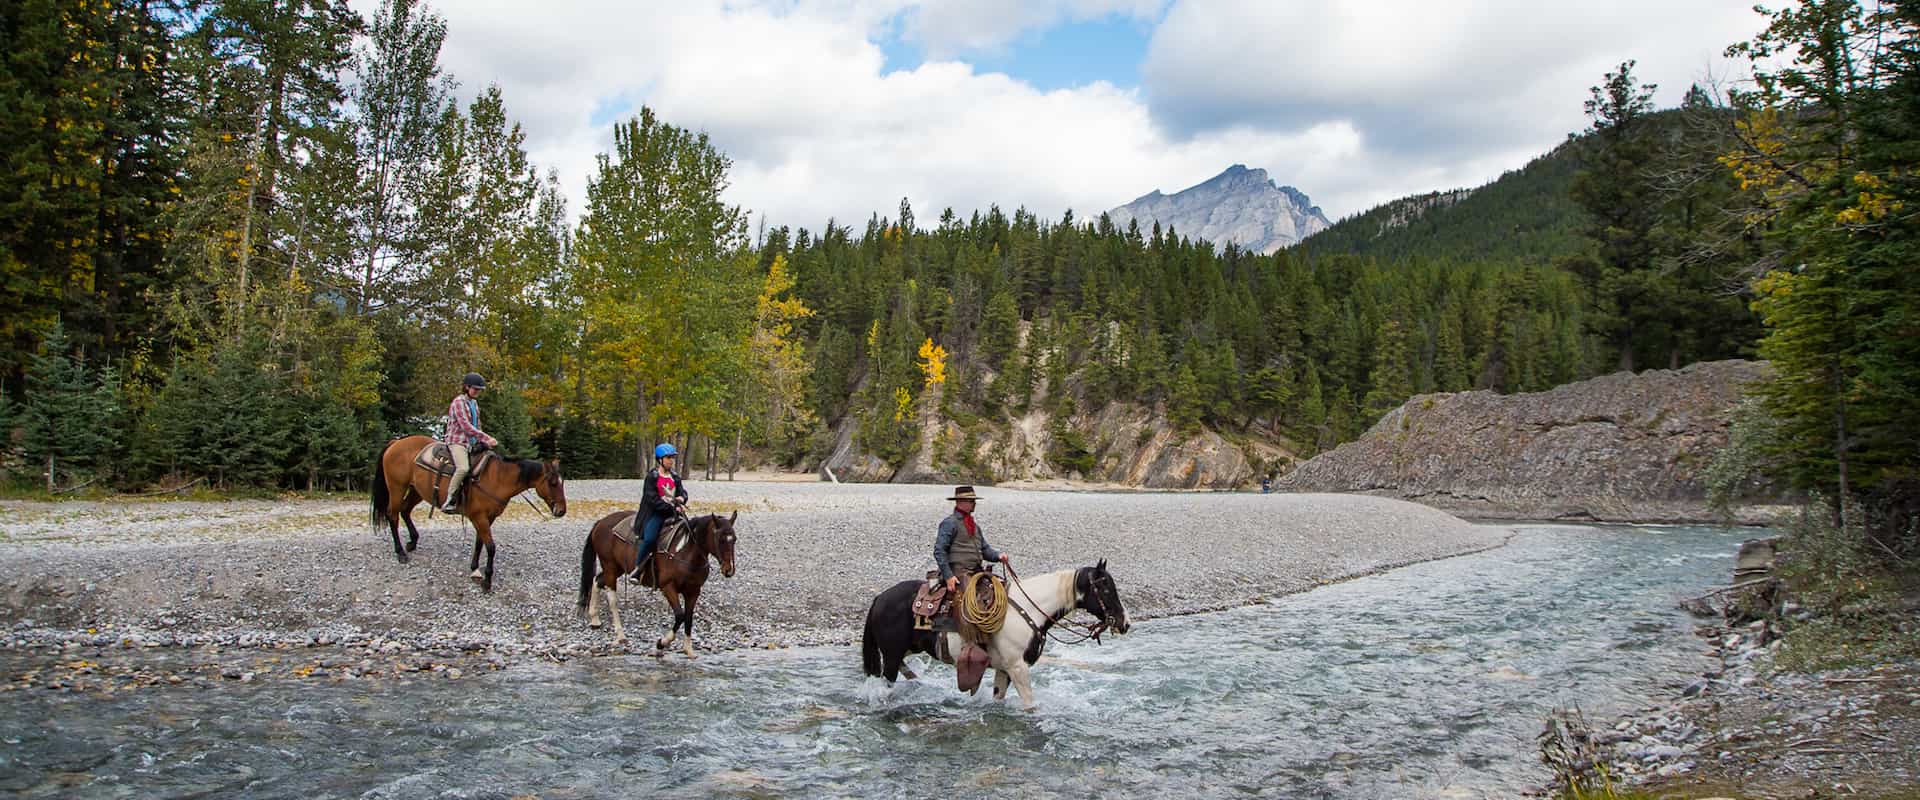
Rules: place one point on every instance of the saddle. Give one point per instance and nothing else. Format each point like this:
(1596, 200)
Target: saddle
(674, 534)
(437, 459)
(931, 602)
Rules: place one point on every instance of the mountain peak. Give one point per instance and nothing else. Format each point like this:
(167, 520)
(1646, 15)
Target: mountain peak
(1241, 205)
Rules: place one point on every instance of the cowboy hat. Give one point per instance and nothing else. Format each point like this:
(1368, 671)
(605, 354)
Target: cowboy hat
(963, 493)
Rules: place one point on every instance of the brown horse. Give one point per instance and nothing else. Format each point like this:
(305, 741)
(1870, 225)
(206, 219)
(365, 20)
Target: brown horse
(398, 486)
(680, 572)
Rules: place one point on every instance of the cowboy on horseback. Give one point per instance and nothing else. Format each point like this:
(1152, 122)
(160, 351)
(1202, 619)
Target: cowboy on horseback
(664, 497)
(960, 549)
(464, 436)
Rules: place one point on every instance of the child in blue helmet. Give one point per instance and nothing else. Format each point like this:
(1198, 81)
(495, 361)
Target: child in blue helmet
(664, 497)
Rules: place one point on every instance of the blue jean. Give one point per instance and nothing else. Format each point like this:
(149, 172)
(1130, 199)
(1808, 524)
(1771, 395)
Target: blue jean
(649, 535)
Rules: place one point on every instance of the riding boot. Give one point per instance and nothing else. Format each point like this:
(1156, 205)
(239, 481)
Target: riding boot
(452, 506)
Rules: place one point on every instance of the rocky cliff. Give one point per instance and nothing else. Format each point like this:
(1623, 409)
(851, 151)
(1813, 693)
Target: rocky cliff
(1240, 205)
(1622, 447)
(1124, 444)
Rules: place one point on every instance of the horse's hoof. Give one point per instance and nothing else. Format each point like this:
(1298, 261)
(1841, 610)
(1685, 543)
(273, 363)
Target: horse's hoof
(411, 546)
(478, 575)
(400, 554)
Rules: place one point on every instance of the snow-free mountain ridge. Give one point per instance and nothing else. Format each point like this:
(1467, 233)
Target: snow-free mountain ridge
(1240, 206)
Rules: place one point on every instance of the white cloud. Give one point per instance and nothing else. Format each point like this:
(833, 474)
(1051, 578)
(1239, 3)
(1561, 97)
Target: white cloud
(1351, 106)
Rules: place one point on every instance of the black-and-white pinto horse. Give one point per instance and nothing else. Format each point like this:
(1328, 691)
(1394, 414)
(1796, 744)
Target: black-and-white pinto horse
(889, 635)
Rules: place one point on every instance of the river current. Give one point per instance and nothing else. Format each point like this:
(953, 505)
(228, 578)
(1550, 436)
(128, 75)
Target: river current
(1427, 681)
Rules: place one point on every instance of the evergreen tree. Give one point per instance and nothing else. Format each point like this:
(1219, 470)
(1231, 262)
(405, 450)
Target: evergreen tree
(71, 419)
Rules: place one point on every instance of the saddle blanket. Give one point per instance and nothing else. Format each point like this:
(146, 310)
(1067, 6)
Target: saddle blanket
(672, 537)
(437, 458)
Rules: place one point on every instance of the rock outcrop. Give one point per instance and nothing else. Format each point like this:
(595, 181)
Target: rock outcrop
(1621, 447)
(1124, 444)
(1242, 206)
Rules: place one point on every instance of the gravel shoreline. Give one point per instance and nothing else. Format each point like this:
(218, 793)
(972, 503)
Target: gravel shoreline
(314, 573)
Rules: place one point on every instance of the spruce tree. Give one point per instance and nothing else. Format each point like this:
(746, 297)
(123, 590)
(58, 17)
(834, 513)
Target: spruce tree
(71, 419)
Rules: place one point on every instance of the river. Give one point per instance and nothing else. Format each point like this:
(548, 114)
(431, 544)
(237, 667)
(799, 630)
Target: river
(1427, 681)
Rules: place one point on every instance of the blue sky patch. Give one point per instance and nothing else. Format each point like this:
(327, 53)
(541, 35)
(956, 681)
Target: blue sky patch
(609, 109)
(1063, 56)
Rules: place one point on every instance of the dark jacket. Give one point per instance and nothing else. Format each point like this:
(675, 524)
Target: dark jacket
(652, 504)
(951, 527)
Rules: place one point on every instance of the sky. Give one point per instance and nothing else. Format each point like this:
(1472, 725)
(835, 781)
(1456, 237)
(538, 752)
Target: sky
(838, 109)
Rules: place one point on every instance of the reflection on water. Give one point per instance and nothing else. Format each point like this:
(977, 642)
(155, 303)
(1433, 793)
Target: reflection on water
(1426, 681)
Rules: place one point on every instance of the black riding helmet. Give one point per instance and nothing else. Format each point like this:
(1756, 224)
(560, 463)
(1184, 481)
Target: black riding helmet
(473, 379)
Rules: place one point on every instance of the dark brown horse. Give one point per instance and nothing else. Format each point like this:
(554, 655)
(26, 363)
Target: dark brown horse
(398, 486)
(681, 571)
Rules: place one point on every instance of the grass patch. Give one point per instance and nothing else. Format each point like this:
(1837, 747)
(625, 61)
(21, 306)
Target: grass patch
(1858, 600)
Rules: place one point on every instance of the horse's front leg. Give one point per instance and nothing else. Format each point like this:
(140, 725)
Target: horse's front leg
(673, 632)
(1022, 681)
(1000, 681)
(693, 598)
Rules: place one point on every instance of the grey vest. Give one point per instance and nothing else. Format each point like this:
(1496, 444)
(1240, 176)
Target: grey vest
(964, 555)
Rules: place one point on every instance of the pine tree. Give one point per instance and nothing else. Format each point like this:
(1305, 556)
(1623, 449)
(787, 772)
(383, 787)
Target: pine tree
(71, 419)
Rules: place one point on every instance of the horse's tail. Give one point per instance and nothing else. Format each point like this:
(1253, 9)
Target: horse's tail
(870, 642)
(586, 571)
(378, 513)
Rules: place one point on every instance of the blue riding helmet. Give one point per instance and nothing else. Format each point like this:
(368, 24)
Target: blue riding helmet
(663, 451)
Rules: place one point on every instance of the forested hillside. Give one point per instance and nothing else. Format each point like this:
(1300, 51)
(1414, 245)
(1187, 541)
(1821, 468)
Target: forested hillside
(250, 243)
(1525, 214)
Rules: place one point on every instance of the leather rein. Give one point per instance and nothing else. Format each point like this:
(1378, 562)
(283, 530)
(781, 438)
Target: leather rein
(1085, 631)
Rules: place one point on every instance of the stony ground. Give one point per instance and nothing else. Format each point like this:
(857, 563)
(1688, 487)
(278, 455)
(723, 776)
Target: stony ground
(1745, 730)
(302, 573)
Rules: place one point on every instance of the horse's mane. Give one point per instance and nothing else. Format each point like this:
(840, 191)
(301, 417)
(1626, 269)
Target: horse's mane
(530, 468)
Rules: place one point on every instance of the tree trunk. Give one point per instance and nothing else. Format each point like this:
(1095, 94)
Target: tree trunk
(734, 465)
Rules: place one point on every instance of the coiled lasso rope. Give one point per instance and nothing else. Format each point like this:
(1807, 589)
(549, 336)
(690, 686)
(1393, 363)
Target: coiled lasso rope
(987, 618)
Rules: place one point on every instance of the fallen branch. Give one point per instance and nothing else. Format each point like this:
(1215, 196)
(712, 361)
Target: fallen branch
(1853, 680)
(71, 489)
(180, 488)
(1739, 585)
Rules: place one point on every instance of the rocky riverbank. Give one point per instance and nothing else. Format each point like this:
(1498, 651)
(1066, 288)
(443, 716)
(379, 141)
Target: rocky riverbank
(1748, 729)
(309, 585)
(1627, 447)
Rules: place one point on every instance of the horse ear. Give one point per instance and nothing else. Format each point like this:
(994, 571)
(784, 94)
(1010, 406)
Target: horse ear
(736, 515)
(1102, 566)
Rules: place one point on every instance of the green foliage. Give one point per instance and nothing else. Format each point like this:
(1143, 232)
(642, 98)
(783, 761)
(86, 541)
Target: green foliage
(1070, 451)
(1858, 611)
(71, 421)
(1828, 145)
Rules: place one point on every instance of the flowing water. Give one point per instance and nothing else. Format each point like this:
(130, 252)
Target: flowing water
(1428, 681)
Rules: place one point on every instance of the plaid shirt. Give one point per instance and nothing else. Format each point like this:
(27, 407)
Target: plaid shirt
(463, 423)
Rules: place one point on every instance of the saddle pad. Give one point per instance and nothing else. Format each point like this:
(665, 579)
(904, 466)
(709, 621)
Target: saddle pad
(435, 457)
(675, 536)
(623, 530)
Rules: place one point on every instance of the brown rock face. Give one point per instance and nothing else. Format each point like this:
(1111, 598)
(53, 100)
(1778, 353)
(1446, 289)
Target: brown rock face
(1621, 447)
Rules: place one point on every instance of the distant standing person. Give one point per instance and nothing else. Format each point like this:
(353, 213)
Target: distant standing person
(663, 497)
(464, 436)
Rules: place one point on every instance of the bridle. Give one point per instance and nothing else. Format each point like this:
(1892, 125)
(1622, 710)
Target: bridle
(1085, 631)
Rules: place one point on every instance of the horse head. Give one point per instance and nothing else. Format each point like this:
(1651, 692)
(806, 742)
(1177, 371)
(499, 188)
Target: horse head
(1100, 596)
(552, 488)
(719, 541)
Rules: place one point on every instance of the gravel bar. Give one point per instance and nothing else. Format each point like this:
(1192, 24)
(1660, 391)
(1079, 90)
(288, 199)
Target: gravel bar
(810, 557)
